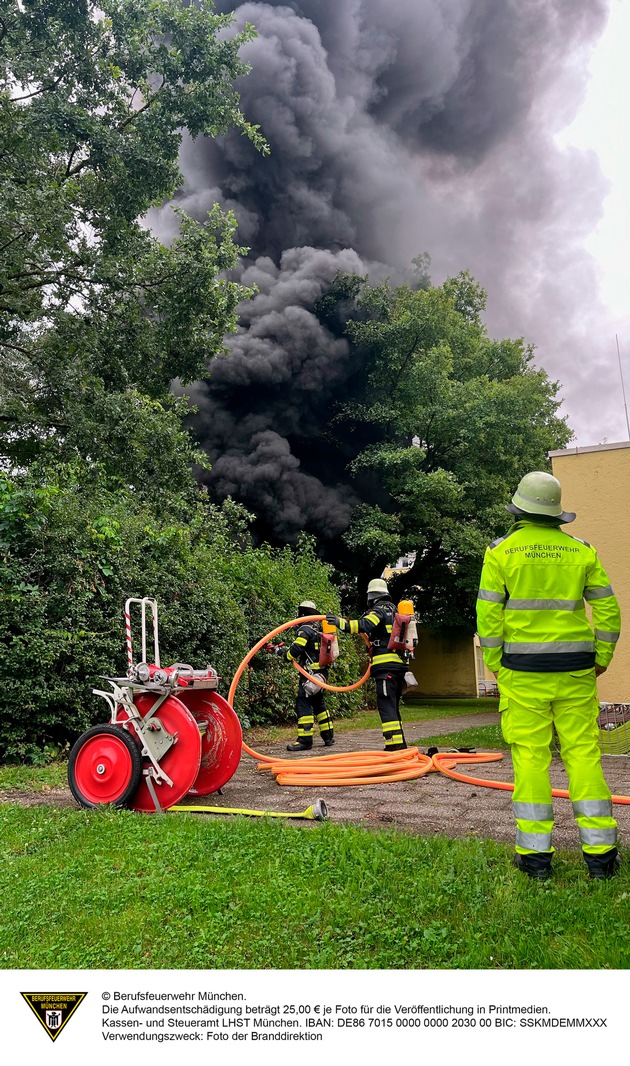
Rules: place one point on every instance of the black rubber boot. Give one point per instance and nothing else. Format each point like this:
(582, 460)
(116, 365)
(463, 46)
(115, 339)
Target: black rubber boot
(603, 867)
(303, 744)
(328, 737)
(537, 865)
(397, 747)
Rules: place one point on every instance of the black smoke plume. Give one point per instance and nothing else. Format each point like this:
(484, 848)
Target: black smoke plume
(396, 127)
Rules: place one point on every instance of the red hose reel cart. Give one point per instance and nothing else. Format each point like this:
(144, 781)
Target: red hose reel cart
(169, 733)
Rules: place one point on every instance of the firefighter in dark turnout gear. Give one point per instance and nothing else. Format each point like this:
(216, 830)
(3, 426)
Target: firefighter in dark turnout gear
(388, 668)
(310, 702)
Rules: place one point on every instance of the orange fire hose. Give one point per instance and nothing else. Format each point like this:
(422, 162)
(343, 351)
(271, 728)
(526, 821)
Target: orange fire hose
(368, 767)
(358, 768)
(256, 648)
(444, 761)
(351, 768)
(337, 688)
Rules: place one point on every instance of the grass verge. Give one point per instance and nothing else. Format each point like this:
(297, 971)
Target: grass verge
(411, 710)
(483, 738)
(100, 889)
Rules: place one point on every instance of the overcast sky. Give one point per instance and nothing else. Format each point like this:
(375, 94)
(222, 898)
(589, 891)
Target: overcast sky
(602, 125)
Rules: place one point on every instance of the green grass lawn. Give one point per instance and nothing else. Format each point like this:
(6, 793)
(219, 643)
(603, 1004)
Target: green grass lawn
(483, 738)
(416, 709)
(412, 710)
(118, 890)
(94, 890)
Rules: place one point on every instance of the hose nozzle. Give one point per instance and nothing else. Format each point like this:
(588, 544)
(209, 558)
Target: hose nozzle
(318, 811)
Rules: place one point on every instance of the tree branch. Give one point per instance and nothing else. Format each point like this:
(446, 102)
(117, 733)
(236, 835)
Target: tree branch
(38, 92)
(123, 125)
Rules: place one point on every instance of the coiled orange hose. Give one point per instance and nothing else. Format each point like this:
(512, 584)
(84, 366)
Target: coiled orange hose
(368, 767)
(358, 768)
(351, 768)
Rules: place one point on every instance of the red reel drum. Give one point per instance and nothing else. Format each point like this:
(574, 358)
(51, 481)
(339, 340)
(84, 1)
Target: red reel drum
(180, 762)
(221, 741)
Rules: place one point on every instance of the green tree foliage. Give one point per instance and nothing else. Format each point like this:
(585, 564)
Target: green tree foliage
(72, 550)
(94, 99)
(97, 499)
(443, 424)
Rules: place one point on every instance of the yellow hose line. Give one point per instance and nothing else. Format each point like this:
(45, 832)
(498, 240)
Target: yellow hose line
(318, 811)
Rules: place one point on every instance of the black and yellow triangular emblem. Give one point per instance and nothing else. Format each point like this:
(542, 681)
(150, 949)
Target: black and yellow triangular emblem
(53, 1009)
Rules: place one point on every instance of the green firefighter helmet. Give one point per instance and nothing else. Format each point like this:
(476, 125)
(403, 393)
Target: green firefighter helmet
(539, 493)
(305, 608)
(377, 589)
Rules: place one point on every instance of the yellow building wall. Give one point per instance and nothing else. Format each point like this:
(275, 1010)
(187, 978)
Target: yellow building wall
(444, 666)
(596, 485)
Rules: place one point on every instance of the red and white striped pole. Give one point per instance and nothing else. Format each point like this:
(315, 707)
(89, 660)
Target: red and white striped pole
(128, 634)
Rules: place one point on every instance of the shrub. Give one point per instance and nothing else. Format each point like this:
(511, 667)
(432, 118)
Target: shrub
(74, 547)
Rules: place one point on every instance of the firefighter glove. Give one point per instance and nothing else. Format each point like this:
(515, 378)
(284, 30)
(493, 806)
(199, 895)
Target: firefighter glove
(333, 620)
(273, 649)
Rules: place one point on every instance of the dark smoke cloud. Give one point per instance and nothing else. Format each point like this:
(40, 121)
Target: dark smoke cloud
(396, 127)
(274, 391)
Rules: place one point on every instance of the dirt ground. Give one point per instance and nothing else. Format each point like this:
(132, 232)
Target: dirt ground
(430, 805)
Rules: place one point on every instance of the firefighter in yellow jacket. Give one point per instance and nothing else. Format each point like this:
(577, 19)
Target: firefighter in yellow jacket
(537, 639)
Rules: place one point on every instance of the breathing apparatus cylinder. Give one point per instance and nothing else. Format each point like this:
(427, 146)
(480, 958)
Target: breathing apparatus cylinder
(328, 644)
(404, 635)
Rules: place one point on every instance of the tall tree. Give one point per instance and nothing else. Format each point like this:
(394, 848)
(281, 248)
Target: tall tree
(443, 423)
(96, 316)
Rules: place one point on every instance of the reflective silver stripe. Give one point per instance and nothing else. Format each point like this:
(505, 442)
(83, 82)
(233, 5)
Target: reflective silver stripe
(533, 841)
(544, 605)
(495, 597)
(598, 594)
(598, 836)
(500, 540)
(491, 642)
(533, 812)
(558, 647)
(592, 808)
(601, 634)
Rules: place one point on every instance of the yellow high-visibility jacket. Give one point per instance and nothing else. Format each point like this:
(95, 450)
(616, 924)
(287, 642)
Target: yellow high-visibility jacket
(531, 602)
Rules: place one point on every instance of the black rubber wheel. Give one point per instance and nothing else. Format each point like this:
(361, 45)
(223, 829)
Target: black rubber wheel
(105, 767)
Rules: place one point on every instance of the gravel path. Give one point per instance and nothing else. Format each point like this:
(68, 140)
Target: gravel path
(430, 805)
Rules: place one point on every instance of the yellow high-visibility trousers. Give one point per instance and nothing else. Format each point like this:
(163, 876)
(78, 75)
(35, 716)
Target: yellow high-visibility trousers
(531, 705)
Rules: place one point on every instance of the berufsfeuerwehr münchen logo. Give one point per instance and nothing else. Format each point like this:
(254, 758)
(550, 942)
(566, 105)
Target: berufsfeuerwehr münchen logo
(53, 1009)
